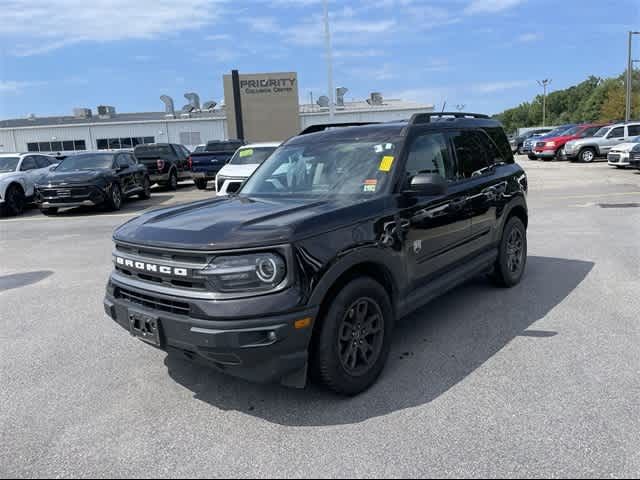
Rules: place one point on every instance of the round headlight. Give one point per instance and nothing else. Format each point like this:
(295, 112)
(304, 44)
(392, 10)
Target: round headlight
(267, 270)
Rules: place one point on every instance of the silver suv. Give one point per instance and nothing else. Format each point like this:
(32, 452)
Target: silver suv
(588, 149)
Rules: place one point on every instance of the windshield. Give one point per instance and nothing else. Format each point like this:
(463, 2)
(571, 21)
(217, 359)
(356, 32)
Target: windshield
(602, 132)
(89, 161)
(251, 156)
(8, 164)
(572, 131)
(351, 167)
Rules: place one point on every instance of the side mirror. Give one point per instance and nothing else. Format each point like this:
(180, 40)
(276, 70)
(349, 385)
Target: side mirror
(428, 184)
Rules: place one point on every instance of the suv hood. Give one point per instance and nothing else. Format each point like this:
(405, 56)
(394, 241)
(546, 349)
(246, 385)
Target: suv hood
(238, 171)
(79, 177)
(230, 223)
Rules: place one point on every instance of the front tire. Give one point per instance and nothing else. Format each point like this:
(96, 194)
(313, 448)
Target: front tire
(587, 155)
(512, 257)
(201, 184)
(354, 341)
(14, 201)
(114, 201)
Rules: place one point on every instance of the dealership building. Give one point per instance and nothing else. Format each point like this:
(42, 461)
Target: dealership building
(105, 128)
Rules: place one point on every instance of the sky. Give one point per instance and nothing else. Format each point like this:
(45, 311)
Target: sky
(484, 54)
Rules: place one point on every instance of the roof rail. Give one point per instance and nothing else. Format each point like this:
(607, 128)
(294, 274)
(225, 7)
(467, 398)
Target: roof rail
(321, 127)
(420, 118)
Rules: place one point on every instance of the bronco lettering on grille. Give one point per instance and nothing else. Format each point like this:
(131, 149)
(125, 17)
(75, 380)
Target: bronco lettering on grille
(151, 267)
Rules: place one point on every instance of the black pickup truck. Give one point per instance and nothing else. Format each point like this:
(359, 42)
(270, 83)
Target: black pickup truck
(167, 163)
(206, 165)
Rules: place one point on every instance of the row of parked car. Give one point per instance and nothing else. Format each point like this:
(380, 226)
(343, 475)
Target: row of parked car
(107, 178)
(619, 143)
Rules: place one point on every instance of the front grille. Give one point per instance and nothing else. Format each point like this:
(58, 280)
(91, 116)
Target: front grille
(191, 262)
(154, 303)
(540, 144)
(65, 192)
(614, 157)
(635, 157)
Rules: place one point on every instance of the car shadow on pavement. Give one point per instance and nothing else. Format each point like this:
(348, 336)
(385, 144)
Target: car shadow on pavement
(19, 280)
(130, 206)
(433, 350)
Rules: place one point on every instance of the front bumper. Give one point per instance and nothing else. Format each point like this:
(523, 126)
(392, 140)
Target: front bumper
(69, 197)
(618, 160)
(261, 349)
(545, 153)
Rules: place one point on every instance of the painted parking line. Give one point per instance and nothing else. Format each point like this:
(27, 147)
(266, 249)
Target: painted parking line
(591, 195)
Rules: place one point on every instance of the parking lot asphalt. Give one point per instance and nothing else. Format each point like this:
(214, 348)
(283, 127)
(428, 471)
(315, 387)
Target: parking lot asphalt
(542, 380)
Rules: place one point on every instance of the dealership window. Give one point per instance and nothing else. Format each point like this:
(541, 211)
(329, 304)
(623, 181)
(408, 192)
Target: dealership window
(190, 138)
(57, 146)
(122, 142)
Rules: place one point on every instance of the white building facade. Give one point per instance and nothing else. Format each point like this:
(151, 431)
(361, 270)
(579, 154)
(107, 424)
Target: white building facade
(68, 134)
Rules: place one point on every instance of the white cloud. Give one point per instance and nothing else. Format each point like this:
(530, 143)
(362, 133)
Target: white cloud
(491, 6)
(529, 37)
(12, 86)
(40, 26)
(493, 87)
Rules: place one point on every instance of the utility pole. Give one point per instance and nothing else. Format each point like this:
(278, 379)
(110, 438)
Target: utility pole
(627, 111)
(544, 84)
(327, 36)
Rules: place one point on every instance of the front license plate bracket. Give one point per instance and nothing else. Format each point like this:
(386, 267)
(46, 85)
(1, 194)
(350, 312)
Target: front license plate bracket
(145, 327)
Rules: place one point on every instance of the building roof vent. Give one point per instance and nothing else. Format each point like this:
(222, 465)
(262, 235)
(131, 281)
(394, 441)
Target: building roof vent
(168, 106)
(323, 102)
(106, 111)
(31, 117)
(375, 99)
(209, 106)
(340, 93)
(82, 113)
(194, 102)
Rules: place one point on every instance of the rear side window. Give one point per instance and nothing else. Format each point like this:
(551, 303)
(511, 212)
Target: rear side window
(501, 141)
(474, 152)
(28, 164)
(634, 130)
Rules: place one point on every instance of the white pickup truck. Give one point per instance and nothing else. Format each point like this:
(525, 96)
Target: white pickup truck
(19, 173)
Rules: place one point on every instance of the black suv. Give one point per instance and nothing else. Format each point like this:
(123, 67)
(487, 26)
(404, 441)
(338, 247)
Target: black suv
(89, 179)
(167, 163)
(336, 236)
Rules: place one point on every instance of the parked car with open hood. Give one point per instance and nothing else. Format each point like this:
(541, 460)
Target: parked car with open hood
(90, 179)
(620, 155)
(589, 149)
(242, 165)
(19, 173)
(552, 148)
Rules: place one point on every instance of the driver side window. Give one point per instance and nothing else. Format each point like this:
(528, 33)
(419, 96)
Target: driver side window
(617, 132)
(429, 154)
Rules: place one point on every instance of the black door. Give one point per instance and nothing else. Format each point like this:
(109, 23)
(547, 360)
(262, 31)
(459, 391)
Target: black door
(137, 173)
(181, 156)
(481, 166)
(437, 228)
(125, 174)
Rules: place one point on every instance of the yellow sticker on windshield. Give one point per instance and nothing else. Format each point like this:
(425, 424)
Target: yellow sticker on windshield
(246, 153)
(386, 163)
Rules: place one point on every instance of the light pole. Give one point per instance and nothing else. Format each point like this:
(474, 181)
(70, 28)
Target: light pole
(627, 114)
(327, 36)
(544, 84)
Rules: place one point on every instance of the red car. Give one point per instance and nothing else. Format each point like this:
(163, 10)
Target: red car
(553, 148)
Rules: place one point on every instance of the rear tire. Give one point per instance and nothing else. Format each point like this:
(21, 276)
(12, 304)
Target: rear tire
(532, 157)
(14, 201)
(146, 193)
(172, 184)
(49, 211)
(201, 184)
(512, 257)
(587, 155)
(354, 340)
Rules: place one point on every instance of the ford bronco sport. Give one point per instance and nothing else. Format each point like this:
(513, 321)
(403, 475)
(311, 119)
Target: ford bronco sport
(342, 231)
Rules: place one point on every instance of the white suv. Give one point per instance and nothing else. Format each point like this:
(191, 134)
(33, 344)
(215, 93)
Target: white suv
(244, 162)
(619, 156)
(19, 173)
